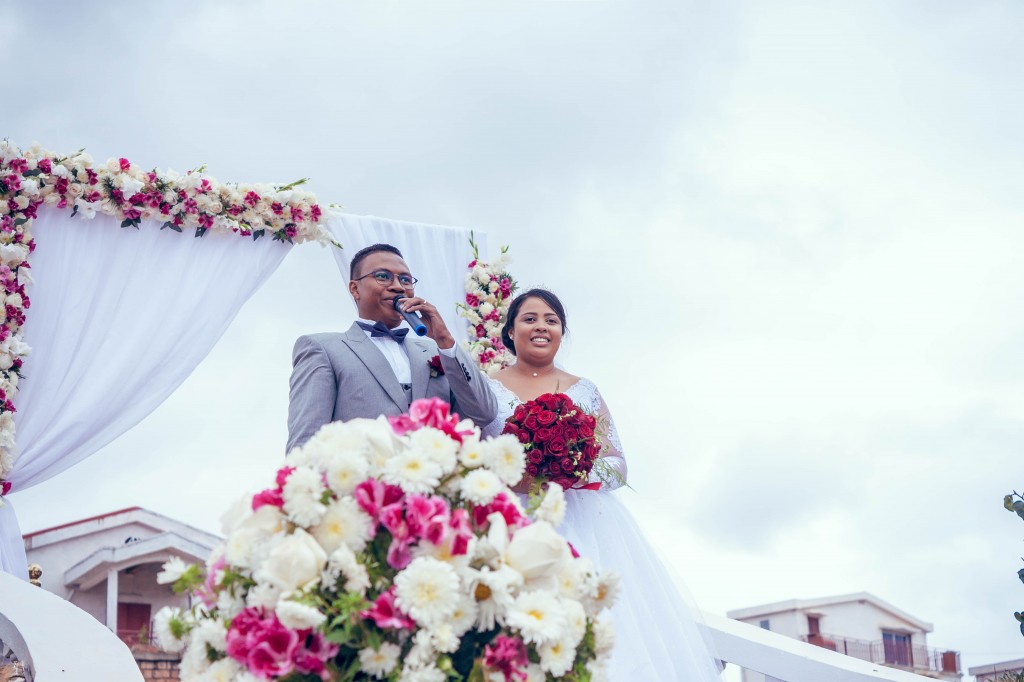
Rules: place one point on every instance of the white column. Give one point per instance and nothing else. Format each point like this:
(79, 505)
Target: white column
(112, 600)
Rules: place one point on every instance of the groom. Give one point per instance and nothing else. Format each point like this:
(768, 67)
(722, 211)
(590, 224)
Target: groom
(376, 367)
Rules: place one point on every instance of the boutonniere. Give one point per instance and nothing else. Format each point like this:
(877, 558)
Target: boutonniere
(436, 370)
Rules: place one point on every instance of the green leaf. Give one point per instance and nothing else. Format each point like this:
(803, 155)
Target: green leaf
(74, 211)
(257, 234)
(200, 231)
(1020, 574)
(132, 222)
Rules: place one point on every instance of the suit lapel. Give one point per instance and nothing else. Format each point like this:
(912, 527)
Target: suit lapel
(419, 357)
(356, 339)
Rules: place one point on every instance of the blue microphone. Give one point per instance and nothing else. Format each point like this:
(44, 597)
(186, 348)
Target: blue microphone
(412, 318)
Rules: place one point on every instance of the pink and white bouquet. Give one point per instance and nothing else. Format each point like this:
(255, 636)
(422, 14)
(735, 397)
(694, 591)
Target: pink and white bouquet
(393, 549)
(489, 289)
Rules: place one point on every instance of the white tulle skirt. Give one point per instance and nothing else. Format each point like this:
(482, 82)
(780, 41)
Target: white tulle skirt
(658, 635)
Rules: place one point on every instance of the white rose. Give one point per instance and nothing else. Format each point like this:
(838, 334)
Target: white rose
(113, 165)
(76, 189)
(21, 201)
(294, 561)
(29, 187)
(61, 171)
(539, 554)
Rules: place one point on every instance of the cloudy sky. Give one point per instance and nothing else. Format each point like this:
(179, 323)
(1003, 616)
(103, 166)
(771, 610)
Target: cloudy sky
(787, 235)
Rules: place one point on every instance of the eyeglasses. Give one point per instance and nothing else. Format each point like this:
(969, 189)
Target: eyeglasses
(386, 277)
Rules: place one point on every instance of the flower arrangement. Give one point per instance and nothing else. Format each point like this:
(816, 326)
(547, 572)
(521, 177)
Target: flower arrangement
(393, 549)
(489, 290)
(194, 201)
(559, 438)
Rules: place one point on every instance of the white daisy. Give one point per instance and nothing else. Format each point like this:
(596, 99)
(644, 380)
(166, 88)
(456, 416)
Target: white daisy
(552, 507)
(577, 620)
(557, 657)
(604, 636)
(493, 591)
(504, 456)
(427, 673)
(413, 471)
(539, 617)
(381, 662)
(480, 486)
(605, 594)
(437, 445)
(302, 492)
(428, 590)
(443, 638)
(343, 523)
(210, 633)
(229, 604)
(534, 673)
(345, 470)
(422, 652)
(298, 616)
(224, 670)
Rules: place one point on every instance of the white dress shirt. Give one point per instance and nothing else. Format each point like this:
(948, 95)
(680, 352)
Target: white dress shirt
(395, 354)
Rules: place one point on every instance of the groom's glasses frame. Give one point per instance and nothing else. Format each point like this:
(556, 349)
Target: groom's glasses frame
(386, 277)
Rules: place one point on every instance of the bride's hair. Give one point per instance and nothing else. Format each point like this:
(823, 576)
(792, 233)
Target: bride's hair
(517, 303)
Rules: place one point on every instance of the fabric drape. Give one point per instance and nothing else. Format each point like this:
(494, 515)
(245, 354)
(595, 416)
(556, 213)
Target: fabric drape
(119, 319)
(436, 254)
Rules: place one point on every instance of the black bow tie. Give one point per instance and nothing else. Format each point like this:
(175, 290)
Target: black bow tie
(378, 328)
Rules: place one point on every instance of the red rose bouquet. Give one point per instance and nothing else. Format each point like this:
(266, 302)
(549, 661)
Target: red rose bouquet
(559, 439)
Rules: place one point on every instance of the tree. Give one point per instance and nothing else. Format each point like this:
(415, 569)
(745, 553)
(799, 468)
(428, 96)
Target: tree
(1015, 503)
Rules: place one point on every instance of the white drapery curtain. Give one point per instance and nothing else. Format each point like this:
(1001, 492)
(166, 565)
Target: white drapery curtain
(436, 254)
(120, 317)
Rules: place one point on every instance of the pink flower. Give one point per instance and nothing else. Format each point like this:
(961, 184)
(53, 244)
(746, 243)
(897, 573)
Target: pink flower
(124, 164)
(45, 165)
(373, 496)
(265, 646)
(432, 412)
(507, 655)
(315, 212)
(386, 614)
(427, 517)
(5, 487)
(18, 165)
(461, 531)
(504, 506)
(273, 496)
(252, 198)
(472, 300)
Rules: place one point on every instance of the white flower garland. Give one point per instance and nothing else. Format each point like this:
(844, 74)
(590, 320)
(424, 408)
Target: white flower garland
(192, 201)
(489, 290)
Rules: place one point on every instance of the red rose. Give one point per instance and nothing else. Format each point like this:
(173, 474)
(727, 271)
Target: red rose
(523, 437)
(557, 446)
(544, 434)
(565, 403)
(547, 417)
(520, 413)
(532, 470)
(586, 427)
(535, 456)
(534, 408)
(532, 422)
(592, 450)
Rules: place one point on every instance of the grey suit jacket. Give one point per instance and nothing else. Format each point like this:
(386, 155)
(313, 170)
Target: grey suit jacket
(344, 376)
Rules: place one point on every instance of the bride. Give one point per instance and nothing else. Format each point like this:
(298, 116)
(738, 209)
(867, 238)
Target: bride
(657, 637)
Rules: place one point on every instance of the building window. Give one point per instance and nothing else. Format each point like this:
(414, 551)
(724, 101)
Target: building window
(897, 648)
(813, 625)
(764, 625)
(133, 623)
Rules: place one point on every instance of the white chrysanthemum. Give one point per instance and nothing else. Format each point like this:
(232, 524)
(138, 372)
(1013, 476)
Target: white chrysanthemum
(264, 595)
(539, 617)
(471, 454)
(164, 622)
(345, 470)
(577, 579)
(422, 651)
(598, 669)
(302, 492)
(577, 620)
(552, 507)
(224, 670)
(604, 636)
(229, 604)
(194, 662)
(250, 542)
(445, 552)
(464, 616)
(381, 662)
(494, 592)
(443, 638)
(343, 562)
(480, 486)
(426, 673)
(557, 657)
(210, 633)
(298, 616)
(504, 456)
(437, 445)
(344, 523)
(427, 590)
(413, 471)
(172, 571)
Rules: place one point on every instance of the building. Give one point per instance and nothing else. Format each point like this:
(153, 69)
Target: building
(859, 625)
(107, 565)
(997, 672)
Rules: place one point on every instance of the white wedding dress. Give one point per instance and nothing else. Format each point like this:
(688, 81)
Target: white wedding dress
(657, 637)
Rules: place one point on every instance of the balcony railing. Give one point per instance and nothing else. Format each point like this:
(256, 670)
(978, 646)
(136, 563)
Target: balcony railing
(896, 654)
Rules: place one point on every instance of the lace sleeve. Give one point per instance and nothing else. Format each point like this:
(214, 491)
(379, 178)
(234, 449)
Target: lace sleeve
(611, 470)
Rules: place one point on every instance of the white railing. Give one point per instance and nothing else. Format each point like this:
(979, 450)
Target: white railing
(56, 640)
(791, 660)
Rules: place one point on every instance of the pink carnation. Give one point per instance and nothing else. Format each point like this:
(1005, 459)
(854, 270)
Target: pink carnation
(386, 614)
(507, 655)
